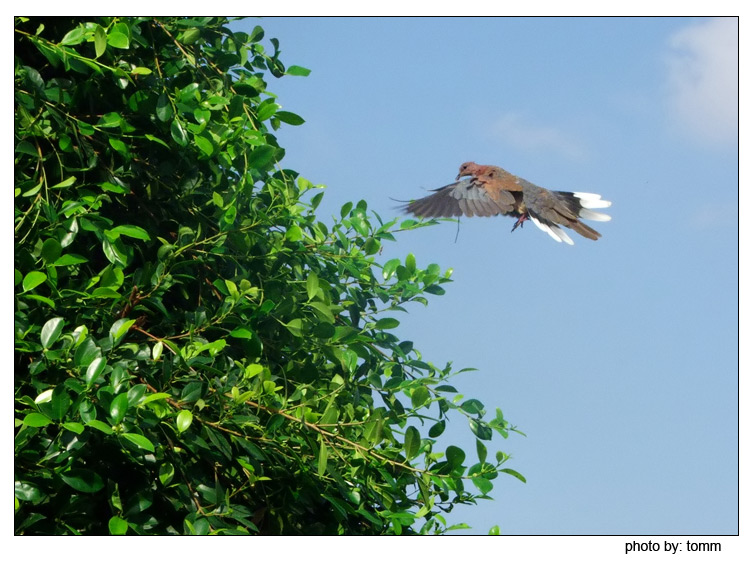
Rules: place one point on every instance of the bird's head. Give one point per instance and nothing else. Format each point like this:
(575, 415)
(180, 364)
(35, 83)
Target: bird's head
(468, 169)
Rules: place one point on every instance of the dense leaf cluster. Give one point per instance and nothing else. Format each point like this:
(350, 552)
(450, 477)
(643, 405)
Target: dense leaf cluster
(195, 351)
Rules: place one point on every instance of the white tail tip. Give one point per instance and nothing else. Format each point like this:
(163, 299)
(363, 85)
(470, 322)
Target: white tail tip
(592, 201)
(554, 231)
(594, 216)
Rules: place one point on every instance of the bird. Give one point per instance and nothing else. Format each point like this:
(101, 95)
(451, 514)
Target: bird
(490, 191)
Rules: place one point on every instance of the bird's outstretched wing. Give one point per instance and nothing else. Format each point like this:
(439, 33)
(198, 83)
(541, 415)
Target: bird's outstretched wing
(467, 197)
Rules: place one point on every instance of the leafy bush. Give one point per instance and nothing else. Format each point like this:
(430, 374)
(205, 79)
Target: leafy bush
(195, 352)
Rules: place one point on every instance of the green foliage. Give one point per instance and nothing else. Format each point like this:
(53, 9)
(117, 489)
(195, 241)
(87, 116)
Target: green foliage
(195, 352)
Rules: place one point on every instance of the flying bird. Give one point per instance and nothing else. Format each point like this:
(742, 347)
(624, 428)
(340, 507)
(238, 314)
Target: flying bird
(489, 191)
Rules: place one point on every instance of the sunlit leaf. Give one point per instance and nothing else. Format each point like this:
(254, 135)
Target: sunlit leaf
(183, 420)
(117, 525)
(33, 279)
(51, 331)
(118, 407)
(36, 420)
(139, 440)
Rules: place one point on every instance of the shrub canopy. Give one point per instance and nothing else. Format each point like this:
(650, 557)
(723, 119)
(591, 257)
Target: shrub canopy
(195, 351)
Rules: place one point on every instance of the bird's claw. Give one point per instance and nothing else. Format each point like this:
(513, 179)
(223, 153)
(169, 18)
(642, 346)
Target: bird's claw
(519, 222)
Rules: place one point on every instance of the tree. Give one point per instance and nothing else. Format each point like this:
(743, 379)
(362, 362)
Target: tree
(195, 351)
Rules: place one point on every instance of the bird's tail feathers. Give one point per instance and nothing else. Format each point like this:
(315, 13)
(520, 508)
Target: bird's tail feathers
(552, 230)
(593, 215)
(591, 200)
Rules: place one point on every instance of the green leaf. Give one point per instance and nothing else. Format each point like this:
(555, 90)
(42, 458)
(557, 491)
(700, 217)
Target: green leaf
(117, 525)
(204, 144)
(261, 157)
(321, 465)
(190, 36)
(68, 182)
(419, 396)
(139, 440)
(118, 407)
(115, 251)
(83, 480)
(295, 327)
(85, 353)
(75, 427)
(112, 188)
(324, 312)
(252, 370)
(455, 456)
(290, 118)
(294, 70)
(480, 429)
(157, 139)
(157, 351)
(183, 421)
(25, 147)
(135, 394)
(129, 230)
(412, 442)
(105, 293)
(60, 403)
(118, 40)
(33, 279)
(27, 492)
(472, 406)
(74, 36)
(94, 370)
(410, 263)
(119, 329)
(242, 333)
(69, 259)
(178, 133)
(44, 397)
(386, 323)
(164, 110)
(51, 250)
(312, 285)
(51, 331)
(330, 415)
(437, 429)
(154, 397)
(514, 473)
(294, 233)
(484, 486)
(100, 426)
(345, 209)
(100, 41)
(111, 119)
(388, 269)
(267, 109)
(166, 473)
(36, 420)
(481, 451)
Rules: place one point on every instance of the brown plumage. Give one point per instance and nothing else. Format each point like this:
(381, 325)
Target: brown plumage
(490, 191)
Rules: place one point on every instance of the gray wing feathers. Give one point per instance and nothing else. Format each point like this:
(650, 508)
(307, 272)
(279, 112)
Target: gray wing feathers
(461, 198)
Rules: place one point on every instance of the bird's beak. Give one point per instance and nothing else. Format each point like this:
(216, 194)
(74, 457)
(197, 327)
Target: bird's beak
(462, 175)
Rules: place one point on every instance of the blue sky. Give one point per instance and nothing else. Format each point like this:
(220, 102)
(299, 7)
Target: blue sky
(617, 358)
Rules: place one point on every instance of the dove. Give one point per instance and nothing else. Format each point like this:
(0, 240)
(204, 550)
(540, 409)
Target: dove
(490, 191)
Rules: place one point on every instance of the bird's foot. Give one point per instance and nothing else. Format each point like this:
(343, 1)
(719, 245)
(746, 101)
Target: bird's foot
(519, 223)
